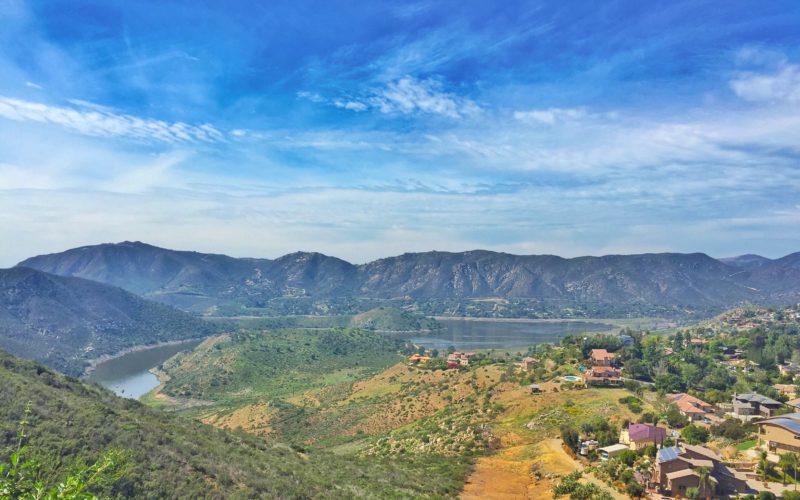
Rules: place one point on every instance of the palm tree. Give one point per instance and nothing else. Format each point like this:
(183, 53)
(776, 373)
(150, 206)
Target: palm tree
(639, 391)
(704, 482)
(790, 461)
(764, 466)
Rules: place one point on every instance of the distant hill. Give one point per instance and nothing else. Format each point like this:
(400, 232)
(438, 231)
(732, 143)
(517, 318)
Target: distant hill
(169, 456)
(747, 261)
(392, 319)
(64, 321)
(204, 282)
(791, 260)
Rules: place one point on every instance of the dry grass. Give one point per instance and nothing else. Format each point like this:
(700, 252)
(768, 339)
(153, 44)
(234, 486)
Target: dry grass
(254, 418)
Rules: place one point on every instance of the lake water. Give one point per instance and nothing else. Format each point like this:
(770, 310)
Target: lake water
(128, 375)
(488, 334)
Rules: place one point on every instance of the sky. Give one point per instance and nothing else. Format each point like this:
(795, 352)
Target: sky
(369, 129)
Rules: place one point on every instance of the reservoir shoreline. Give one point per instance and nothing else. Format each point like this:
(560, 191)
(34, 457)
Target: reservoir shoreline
(94, 362)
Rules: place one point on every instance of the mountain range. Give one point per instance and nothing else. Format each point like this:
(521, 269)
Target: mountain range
(200, 282)
(65, 321)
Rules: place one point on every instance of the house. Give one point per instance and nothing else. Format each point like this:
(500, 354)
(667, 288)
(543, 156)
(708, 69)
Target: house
(612, 451)
(626, 340)
(528, 364)
(456, 359)
(418, 358)
(639, 436)
(601, 357)
(786, 389)
(780, 434)
(789, 368)
(534, 389)
(794, 403)
(691, 407)
(752, 405)
(678, 468)
(602, 375)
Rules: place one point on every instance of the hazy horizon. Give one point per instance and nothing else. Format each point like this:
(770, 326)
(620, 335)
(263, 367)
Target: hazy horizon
(369, 130)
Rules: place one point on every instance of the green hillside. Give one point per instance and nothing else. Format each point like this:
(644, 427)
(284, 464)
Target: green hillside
(392, 319)
(278, 363)
(169, 456)
(64, 322)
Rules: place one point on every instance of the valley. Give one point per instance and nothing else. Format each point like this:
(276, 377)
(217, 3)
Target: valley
(442, 405)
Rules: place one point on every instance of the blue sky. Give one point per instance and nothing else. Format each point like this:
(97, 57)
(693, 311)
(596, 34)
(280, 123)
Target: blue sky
(367, 129)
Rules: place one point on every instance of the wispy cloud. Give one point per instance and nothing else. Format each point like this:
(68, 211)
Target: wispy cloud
(99, 121)
(780, 85)
(550, 116)
(405, 96)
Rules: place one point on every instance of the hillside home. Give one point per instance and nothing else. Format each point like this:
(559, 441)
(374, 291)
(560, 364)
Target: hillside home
(788, 390)
(602, 375)
(534, 389)
(676, 470)
(418, 358)
(601, 357)
(794, 404)
(789, 368)
(752, 405)
(639, 436)
(627, 340)
(780, 434)
(456, 359)
(691, 407)
(528, 364)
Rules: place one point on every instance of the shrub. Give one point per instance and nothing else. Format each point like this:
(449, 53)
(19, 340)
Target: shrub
(694, 434)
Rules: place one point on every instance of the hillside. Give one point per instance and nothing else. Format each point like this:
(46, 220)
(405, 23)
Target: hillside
(174, 457)
(277, 363)
(63, 321)
(311, 283)
(392, 319)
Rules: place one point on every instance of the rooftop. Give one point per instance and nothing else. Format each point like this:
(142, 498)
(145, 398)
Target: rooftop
(668, 454)
(601, 354)
(753, 397)
(646, 432)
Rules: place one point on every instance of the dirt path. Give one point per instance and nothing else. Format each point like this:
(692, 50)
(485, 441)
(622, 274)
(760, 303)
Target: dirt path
(509, 474)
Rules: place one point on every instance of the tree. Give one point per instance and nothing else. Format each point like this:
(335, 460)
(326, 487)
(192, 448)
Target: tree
(694, 434)
(570, 436)
(764, 466)
(677, 342)
(628, 457)
(789, 462)
(634, 489)
(674, 416)
(705, 488)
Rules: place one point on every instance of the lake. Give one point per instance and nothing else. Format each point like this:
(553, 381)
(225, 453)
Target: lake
(128, 375)
(492, 334)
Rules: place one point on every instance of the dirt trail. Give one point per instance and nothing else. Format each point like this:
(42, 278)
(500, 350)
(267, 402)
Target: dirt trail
(509, 473)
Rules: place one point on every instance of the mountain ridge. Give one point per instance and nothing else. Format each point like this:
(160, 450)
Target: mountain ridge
(195, 281)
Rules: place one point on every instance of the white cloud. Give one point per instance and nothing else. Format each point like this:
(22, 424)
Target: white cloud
(410, 95)
(549, 116)
(405, 96)
(98, 121)
(782, 85)
(351, 105)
